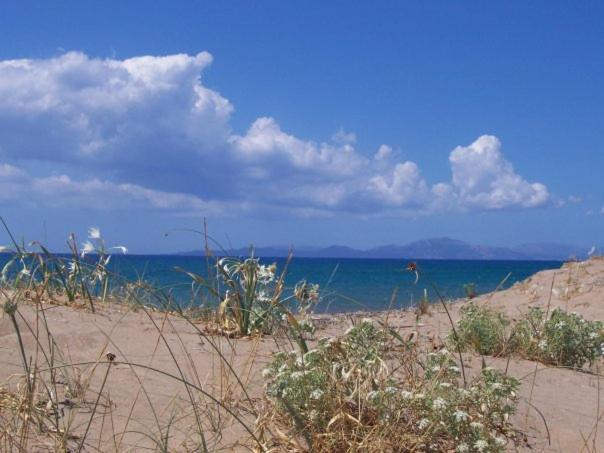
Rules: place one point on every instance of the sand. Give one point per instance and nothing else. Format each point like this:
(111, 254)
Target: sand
(570, 401)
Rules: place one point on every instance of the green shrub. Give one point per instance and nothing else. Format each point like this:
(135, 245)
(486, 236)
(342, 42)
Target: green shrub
(482, 330)
(565, 339)
(341, 396)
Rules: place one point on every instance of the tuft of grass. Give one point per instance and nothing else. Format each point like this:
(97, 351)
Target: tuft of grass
(470, 290)
(423, 308)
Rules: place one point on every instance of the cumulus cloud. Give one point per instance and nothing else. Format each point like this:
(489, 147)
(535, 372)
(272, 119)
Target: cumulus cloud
(266, 143)
(147, 132)
(404, 186)
(484, 179)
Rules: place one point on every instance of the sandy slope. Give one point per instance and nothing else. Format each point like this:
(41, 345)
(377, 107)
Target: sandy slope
(567, 399)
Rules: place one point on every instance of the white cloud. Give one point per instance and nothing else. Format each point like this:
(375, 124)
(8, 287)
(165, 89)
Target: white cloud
(404, 187)
(17, 186)
(266, 142)
(342, 137)
(383, 152)
(574, 199)
(147, 132)
(484, 179)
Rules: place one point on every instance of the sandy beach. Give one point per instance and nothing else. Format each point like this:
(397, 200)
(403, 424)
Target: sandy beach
(144, 388)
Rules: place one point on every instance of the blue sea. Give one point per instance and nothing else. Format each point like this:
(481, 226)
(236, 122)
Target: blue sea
(345, 284)
(349, 284)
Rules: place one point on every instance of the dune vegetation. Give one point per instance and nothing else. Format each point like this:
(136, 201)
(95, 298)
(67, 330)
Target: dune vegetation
(98, 363)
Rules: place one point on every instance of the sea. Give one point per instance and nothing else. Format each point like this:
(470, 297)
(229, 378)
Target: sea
(348, 284)
(345, 284)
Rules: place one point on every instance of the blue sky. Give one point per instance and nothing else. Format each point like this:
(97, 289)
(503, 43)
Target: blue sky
(312, 123)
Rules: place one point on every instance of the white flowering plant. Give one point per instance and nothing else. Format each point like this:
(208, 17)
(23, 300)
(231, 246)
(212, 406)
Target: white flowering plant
(560, 338)
(563, 338)
(252, 300)
(353, 392)
(82, 275)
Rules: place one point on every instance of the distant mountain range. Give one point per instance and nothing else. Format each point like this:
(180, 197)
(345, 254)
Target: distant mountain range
(437, 248)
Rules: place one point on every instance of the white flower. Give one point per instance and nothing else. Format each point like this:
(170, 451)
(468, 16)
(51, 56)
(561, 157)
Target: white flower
(500, 441)
(462, 448)
(481, 445)
(267, 372)
(460, 416)
(373, 395)
(316, 394)
(543, 345)
(94, 233)
(560, 324)
(439, 403)
(297, 375)
(406, 394)
(445, 385)
(390, 390)
(423, 423)
(454, 369)
(266, 273)
(87, 247)
(593, 335)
